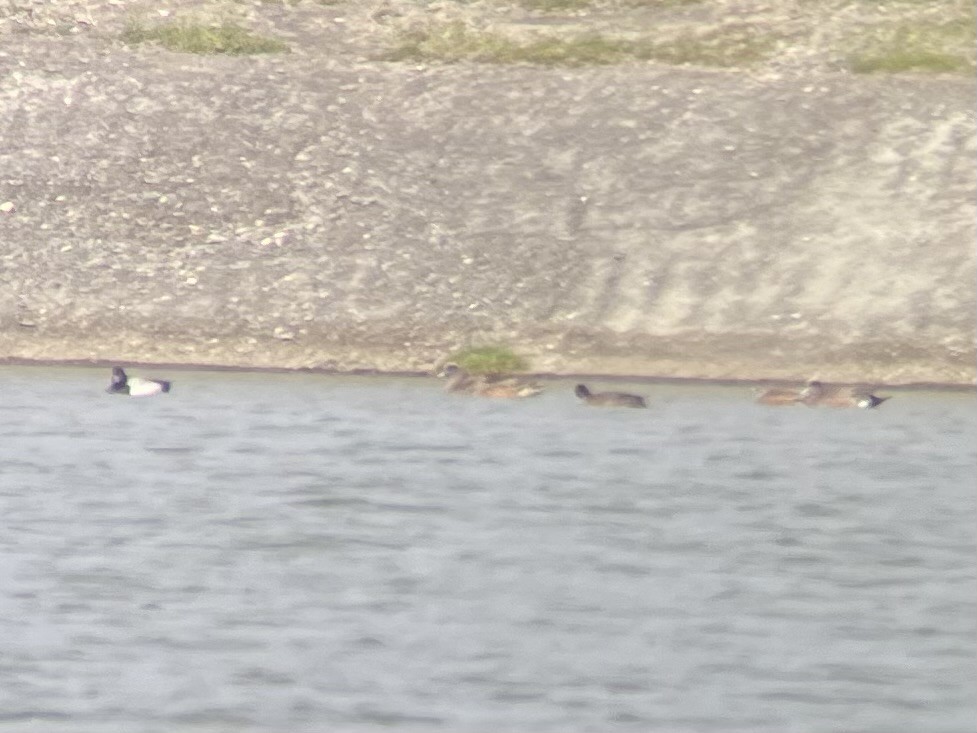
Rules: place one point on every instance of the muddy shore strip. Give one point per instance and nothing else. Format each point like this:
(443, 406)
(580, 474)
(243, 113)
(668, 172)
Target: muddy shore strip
(327, 209)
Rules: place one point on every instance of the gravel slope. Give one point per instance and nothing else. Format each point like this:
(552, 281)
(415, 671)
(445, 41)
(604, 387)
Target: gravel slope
(323, 209)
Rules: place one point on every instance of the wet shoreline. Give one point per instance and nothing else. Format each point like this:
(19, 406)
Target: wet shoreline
(413, 373)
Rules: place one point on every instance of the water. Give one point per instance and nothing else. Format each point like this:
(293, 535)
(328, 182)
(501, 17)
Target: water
(298, 553)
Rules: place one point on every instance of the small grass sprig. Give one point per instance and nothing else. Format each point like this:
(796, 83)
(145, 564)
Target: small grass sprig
(489, 360)
(921, 47)
(186, 36)
(456, 41)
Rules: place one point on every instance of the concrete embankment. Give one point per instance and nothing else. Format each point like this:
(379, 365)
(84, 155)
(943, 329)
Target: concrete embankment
(309, 211)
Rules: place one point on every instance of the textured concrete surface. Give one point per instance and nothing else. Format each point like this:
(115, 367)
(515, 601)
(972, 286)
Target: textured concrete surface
(321, 209)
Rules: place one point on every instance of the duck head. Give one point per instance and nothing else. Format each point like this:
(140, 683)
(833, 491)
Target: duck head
(119, 383)
(449, 370)
(812, 390)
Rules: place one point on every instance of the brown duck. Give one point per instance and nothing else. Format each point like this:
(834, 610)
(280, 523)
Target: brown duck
(818, 394)
(487, 385)
(608, 399)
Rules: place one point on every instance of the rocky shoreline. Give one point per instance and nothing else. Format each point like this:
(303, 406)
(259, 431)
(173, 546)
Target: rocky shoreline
(325, 210)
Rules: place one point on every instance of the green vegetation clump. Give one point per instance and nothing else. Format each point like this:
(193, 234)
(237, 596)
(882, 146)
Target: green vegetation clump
(187, 36)
(927, 47)
(453, 42)
(287, 3)
(489, 360)
(555, 6)
(722, 47)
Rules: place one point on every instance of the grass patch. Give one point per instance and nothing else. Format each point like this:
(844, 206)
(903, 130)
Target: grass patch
(722, 47)
(555, 6)
(295, 3)
(453, 42)
(193, 37)
(920, 47)
(658, 3)
(489, 360)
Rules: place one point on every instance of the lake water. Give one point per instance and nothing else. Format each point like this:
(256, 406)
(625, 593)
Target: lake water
(295, 553)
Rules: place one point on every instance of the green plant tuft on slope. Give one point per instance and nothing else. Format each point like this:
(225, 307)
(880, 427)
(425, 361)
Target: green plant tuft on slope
(489, 360)
(187, 36)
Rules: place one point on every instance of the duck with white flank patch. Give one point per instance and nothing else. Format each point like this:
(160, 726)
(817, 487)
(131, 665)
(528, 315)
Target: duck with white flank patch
(135, 386)
(818, 394)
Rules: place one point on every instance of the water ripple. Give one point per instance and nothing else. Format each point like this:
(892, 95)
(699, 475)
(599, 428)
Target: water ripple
(311, 559)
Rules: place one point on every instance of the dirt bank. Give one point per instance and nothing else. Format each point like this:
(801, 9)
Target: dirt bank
(321, 208)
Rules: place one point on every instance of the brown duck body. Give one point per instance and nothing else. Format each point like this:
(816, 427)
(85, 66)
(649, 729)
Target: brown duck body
(488, 385)
(609, 399)
(507, 387)
(780, 396)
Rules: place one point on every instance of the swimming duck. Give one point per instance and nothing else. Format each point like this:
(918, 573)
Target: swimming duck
(609, 399)
(135, 386)
(808, 394)
(487, 385)
(817, 393)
